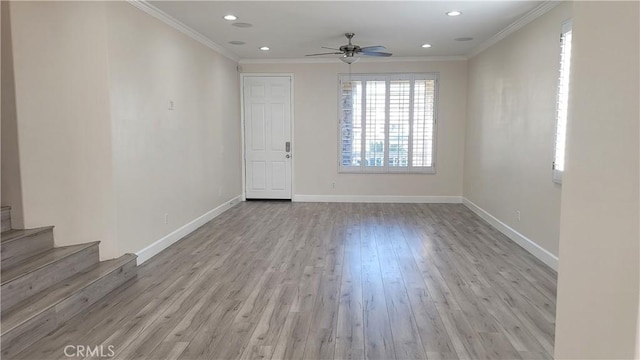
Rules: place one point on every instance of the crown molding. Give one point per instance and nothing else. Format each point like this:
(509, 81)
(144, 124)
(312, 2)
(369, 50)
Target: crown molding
(515, 26)
(176, 24)
(335, 60)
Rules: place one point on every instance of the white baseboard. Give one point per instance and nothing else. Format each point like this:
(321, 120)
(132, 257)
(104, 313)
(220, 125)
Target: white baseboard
(379, 199)
(526, 243)
(155, 248)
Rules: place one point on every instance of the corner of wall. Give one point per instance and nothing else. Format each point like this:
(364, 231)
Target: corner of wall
(529, 245)
(11, 179)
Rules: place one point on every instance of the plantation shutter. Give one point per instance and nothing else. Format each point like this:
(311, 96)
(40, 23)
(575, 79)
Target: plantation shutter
(562, 105)
(387, 123)
(399, 123)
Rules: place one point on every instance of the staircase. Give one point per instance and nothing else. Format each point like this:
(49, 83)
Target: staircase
(45, 286)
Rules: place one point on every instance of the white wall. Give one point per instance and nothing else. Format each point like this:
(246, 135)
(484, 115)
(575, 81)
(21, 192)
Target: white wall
(11, 191)
(316, 130)
(510, 129)
(181, 162)
(101, 157)
(63, 120)
(598, 278)
(637, 355)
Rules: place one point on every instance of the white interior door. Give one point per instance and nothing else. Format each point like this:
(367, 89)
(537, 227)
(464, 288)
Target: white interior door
(267, 136)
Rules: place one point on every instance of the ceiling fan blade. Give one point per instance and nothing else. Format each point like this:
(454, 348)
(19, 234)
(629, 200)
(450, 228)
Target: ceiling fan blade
(375, 53)
(333, 53)
(374, 48)
(324, 47)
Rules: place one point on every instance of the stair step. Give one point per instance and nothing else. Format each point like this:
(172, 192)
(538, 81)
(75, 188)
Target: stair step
(39, 272)
(6, 218)
(17, 234)
(38, 316)
(17, 245)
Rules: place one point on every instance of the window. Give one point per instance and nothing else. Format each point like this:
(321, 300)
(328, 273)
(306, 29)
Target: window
(387, 123)
(562, 102)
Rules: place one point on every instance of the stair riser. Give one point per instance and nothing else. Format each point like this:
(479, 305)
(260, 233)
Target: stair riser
(36, 328)
(38, 280)
(91, 294)
(15, 251)
(6, 219)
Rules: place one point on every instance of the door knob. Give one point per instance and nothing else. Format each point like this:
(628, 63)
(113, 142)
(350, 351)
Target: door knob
(288, 156)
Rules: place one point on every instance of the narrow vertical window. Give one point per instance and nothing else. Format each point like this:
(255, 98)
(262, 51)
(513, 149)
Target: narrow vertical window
(375, 118)
(351, 123)
(562, 102)
(423, 122)
(399, 103)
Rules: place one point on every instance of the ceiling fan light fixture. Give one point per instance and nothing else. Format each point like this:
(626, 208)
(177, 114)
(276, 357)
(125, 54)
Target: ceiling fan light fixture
(349, 59)
(349, 50)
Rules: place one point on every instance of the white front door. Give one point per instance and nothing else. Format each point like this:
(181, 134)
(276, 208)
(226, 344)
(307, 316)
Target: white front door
(267, 136)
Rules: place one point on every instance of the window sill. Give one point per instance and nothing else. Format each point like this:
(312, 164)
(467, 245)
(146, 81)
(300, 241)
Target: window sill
(367, 172)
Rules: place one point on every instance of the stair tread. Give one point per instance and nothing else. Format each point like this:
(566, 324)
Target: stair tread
(5, 207)
(38, 261)
(15, 234)
(52, 296)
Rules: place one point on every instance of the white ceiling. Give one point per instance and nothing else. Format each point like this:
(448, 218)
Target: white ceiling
(295, 28)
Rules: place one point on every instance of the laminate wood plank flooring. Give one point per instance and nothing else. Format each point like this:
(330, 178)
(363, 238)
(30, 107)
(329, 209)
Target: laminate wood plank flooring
(279, 280)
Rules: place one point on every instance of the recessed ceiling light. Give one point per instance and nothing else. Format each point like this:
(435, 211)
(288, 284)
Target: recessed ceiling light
(264, 48)
(229, 17)
(426, 45)
(242, 25)
(236, 42)
(454, 13)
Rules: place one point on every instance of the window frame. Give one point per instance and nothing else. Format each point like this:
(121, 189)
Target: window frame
(388, 77)
(556, 176)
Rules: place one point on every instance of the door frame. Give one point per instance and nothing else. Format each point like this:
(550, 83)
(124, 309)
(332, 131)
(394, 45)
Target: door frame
(242, 121)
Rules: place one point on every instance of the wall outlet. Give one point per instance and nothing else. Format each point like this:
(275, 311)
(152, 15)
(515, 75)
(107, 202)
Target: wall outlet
(166, 218)
(518, 215)
(170, 105)
(333, 185)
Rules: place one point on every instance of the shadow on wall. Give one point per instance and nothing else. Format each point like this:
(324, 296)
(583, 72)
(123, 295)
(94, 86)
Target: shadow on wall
(11, 193)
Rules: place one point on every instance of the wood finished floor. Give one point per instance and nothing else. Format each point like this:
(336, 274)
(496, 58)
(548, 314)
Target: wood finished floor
(278, 280)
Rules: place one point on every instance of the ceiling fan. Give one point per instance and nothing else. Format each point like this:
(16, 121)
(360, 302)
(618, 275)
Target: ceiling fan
(349, 51)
